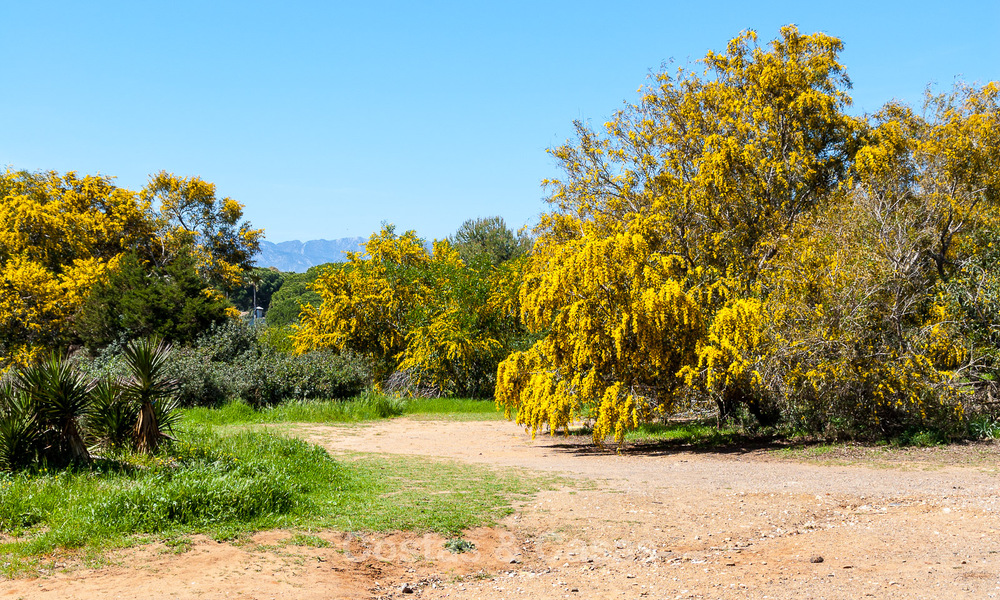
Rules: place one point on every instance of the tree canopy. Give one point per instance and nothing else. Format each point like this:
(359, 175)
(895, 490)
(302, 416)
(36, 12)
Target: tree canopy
(61, 235)
(428, 314)
(694, 248)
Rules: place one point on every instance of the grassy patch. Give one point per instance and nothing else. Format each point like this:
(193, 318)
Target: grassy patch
(227, 486)
(457, 409)
(366, 407)
(312, 541)
(680, 433)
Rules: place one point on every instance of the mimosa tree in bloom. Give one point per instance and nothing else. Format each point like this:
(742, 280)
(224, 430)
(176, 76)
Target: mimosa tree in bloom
(662, 226)
(883, 315)
(428, 314)
(58, 236)
(61, 235)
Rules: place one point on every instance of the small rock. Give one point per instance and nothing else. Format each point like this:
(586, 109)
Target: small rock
(407, 589)
(815, 558)
(515, 560)
(575, 590)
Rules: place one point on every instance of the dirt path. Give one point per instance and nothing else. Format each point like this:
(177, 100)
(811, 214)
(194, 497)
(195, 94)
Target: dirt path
(658, 525)
(709, 525)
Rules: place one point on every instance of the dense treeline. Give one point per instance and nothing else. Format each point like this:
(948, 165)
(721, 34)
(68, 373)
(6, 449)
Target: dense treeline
(736, 239)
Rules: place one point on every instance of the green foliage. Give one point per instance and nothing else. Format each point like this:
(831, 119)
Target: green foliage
(365, 407)
(424, 319)
(141, 299)
(225, 486)
(50, 411)
(235, 360)
(294, 293)
(275, 377)
(60, 403)
(266, 280)
(113, 418)
(20, 433)
(277, 338)
(150, 390)
(220, 486)
(488, 242)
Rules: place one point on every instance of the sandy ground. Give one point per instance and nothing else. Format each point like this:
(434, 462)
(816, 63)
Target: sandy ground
(641, 524)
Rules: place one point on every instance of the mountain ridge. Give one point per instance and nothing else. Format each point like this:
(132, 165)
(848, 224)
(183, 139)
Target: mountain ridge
(297, 256)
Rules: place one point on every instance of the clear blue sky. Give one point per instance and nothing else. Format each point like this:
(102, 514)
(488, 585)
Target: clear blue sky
(327, 118)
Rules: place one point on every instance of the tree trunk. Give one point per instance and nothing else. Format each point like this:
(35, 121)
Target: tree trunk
(74, 441)
(147, 430)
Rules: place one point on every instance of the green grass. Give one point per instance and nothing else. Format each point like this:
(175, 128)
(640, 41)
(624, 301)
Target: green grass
(231, 485)
(366, 407)
(464, 409)
(681, 433)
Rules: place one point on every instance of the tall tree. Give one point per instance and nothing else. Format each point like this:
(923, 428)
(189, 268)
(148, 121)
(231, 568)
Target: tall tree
(488, 240)
(139, 300)
(667, 218)
(192, 217)
(62, 234)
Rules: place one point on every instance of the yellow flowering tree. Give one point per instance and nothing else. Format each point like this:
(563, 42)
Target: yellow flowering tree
(424, 313)
(667, 219)
(884, 313)
(191, 218)
(60, 235)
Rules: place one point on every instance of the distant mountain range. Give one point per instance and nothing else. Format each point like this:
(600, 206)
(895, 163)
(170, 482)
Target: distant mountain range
(298, 256)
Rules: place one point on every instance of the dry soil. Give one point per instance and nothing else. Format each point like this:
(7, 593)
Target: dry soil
(644, 523)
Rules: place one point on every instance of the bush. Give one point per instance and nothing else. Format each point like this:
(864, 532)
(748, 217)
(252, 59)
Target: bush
(239, 361)
(229, 341)
(275, 377)
(200, 382)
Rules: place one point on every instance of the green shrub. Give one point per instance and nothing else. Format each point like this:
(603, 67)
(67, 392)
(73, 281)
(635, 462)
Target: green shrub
(59, 402)
(276, 377)
(20, 434)
(200, 382)
(52, 411)
(277, 338)
(229, 341)
(239, 361)
(197, 497)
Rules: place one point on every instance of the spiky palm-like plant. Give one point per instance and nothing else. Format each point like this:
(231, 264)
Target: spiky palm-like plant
(60, 399)
(112, 421)
(150, 390)
(19, 430)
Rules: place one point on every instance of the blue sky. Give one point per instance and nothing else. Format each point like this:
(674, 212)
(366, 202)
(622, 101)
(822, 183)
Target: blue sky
(327, 118)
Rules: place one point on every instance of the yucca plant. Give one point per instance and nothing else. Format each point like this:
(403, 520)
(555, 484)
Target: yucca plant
(19, 430)
(151, 391)
(112, 420)
(60, 400)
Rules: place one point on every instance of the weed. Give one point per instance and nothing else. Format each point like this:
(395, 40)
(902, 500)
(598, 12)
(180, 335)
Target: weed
(312, 541)
(459, 545)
